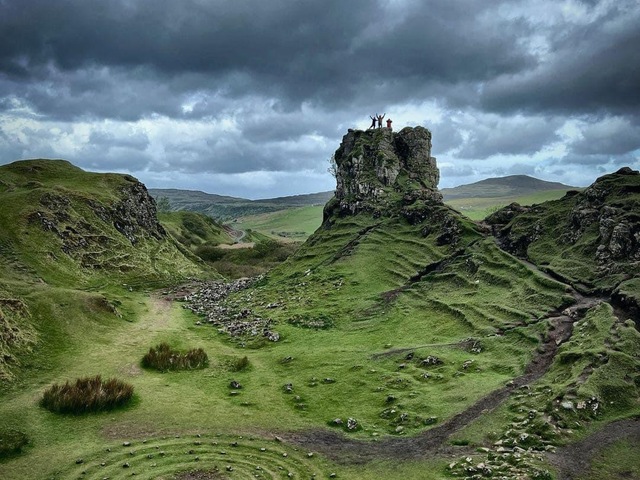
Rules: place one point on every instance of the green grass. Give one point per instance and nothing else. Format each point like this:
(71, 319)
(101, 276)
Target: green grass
(300, 223)
(477, 208)
(194, 229)
(614, 461)
(290, 224)
(351, 304)
(344, 288)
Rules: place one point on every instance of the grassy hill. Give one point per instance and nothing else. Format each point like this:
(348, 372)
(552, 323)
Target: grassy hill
(292, 224)
(479, 199)
(66, 232)
(509, 186)
(193, 229)
(399, 337)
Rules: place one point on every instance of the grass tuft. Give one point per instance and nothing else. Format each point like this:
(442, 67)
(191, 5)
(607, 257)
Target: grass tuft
(89, 394)
(12, 442)
(164, 358)
(239, 364)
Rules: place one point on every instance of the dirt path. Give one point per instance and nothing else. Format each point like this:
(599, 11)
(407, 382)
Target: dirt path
(574, 460)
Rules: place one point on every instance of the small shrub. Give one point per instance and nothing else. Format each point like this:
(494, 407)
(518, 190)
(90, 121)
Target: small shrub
(163, 358)
(239, 364)
(11, 442)
(90, 394)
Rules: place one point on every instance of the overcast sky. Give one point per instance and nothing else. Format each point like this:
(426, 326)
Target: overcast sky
(251, 97)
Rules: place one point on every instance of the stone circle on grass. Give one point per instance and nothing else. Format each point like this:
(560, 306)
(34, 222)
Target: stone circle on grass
(198, 457)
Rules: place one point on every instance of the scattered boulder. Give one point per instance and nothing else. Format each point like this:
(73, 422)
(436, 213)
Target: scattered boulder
(430, 361)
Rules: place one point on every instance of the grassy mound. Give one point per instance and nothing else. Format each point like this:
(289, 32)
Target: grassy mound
(164, 358)
(90, 394)
(12, 442)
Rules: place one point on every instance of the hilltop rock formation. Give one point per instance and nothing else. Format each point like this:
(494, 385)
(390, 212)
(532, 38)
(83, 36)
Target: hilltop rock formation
(379, 170)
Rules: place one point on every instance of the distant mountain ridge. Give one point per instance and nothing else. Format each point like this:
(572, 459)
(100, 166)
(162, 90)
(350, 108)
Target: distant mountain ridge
(501, 187)
(227, 208)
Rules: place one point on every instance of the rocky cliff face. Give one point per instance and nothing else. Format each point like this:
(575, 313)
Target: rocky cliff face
(133, 216)
(593, 235)
(379, 170)
(84, 223)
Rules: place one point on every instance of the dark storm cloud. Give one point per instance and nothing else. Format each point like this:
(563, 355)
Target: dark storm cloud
(590, 68)
(446, 136)
(101, 138)
(229, 87)
(509, 136)
(323, 52)
(610, 136)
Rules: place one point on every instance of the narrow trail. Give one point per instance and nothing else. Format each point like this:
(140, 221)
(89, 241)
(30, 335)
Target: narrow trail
(573, 461)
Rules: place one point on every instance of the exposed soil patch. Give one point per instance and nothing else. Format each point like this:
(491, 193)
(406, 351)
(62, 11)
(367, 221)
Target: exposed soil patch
(574, 460)
(131, 430)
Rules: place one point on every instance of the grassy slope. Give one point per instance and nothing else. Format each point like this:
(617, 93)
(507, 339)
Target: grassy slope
(347, 289)
(194, 229)
(229, 208)
(291, 224)
(564, 235)
(477, 208)
(355, 276)
(28, 247)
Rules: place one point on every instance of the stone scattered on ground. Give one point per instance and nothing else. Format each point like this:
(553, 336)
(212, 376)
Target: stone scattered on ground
(211, 301)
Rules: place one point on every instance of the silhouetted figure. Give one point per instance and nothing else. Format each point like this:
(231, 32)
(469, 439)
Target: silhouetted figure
(380, 117)
(373, 121)
(389, 123)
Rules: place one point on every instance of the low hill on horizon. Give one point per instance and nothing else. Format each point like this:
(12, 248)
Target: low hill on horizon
(279, 217)
(225, 208)
(508, 186)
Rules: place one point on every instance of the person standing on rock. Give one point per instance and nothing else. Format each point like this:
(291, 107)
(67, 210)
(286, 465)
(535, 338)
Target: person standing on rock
(373, 121)
(389, 123)
(380, 117)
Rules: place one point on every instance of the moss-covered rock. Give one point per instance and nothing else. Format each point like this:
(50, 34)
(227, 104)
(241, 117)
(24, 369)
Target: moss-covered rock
(379, 171)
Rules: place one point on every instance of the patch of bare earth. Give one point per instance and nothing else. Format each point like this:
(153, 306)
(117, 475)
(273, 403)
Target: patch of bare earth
(574, 461)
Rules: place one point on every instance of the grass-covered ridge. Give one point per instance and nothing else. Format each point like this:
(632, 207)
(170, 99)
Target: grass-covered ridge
(72, 227)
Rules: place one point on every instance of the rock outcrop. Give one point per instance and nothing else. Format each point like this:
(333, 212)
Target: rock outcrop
(379, 170)
(83, 223)
(597, 230)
